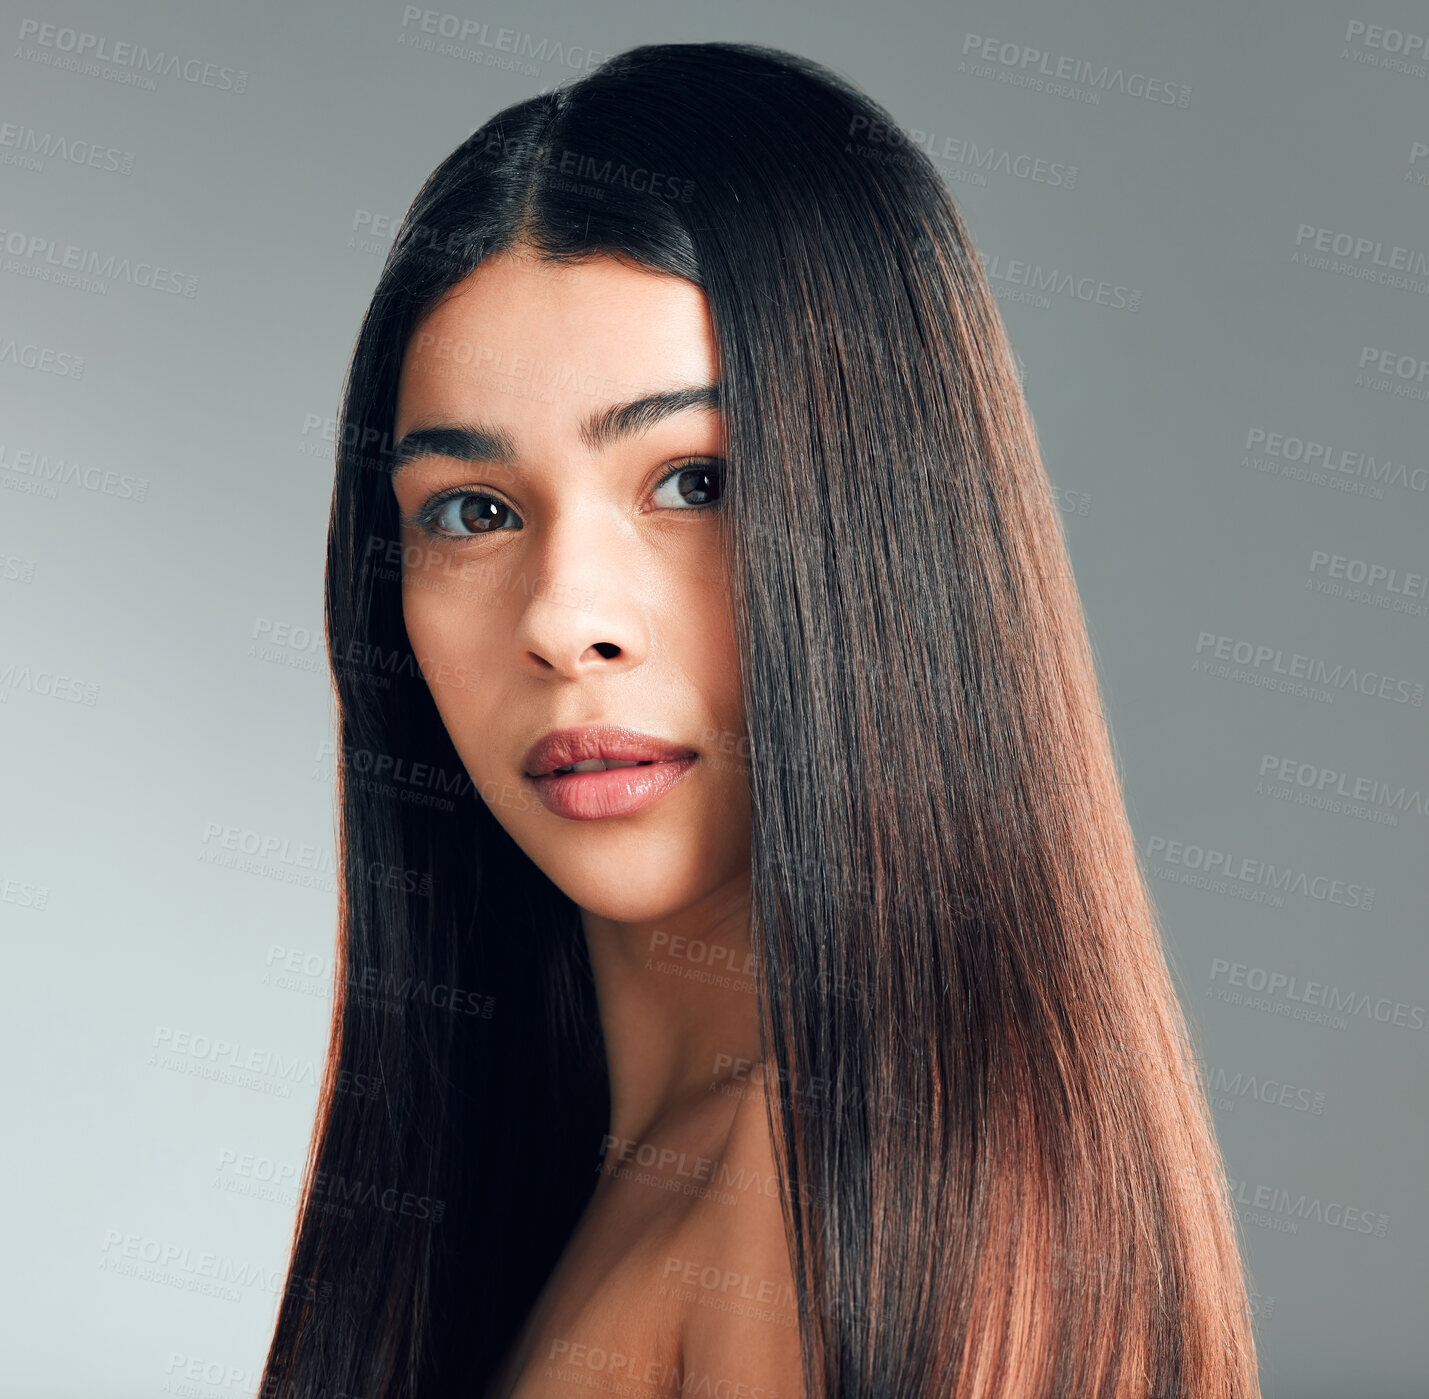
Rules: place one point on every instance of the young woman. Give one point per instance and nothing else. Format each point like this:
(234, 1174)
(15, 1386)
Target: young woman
(748, 986)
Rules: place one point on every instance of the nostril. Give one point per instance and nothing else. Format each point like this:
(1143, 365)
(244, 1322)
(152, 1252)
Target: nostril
(608, 649)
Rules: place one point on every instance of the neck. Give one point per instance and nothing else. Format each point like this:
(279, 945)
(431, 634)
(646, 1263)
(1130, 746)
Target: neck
(677, 1007)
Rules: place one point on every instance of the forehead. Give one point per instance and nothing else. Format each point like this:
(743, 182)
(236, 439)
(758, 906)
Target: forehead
(525, 340)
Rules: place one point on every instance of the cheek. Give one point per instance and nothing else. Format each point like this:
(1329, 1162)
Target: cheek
(453, 628)
(448, 605)
(699, 624)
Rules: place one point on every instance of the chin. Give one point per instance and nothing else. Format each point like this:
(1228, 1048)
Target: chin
(629, 871)
(621, 893)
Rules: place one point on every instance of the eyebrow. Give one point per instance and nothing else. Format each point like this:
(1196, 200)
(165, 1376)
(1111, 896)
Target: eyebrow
(475, 442)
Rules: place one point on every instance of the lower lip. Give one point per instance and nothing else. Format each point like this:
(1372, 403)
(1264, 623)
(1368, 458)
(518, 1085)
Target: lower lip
(593, 796)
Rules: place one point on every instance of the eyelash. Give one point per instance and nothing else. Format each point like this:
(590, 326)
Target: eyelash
(425, 515)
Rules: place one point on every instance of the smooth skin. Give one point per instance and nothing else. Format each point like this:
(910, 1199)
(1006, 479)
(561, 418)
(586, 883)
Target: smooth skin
(575, 582)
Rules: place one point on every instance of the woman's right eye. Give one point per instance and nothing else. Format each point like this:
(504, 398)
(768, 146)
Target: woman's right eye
(462, 514)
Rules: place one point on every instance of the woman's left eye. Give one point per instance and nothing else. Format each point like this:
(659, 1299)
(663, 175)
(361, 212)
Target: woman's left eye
(693, 486)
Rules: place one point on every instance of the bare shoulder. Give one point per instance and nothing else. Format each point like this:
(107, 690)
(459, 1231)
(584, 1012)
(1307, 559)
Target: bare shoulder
(732, 1273)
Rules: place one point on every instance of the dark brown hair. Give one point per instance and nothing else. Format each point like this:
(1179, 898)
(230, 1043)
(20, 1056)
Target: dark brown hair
(1006, 1183)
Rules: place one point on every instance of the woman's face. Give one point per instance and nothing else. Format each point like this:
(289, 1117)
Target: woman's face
(558, 573)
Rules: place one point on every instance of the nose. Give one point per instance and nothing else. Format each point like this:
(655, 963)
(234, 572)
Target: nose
(581, 611)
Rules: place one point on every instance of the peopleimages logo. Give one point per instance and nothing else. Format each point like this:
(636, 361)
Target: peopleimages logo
(35, 472)
(458, 31)
(59, 46)
(47, 359)
(1274, 1207)
(1032, 65)
(1233, 871)
(231, 1054)
(1390, 362)
(185, 1372)
(1376, 36)
(1041, 282)
(196, 1266)
(1273, 667)
(42, 258)
(16, 675)
(23, 145)
(1364, 259)
(1299, 998)
(1357, 248)
(1381, 585)
(1335, 461)
(1229, 1088)
(882, 141)
(1340, 790)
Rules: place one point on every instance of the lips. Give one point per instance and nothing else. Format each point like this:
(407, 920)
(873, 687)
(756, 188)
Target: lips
(565, 748)
(604, 770)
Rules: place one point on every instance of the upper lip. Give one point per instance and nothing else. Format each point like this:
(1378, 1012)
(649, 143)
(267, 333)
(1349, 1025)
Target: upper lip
(562, 747)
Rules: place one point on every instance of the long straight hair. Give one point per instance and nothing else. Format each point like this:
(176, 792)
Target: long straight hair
(998, 1169)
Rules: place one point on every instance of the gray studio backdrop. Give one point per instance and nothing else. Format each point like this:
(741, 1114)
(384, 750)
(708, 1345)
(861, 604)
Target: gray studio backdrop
(1208, 230)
